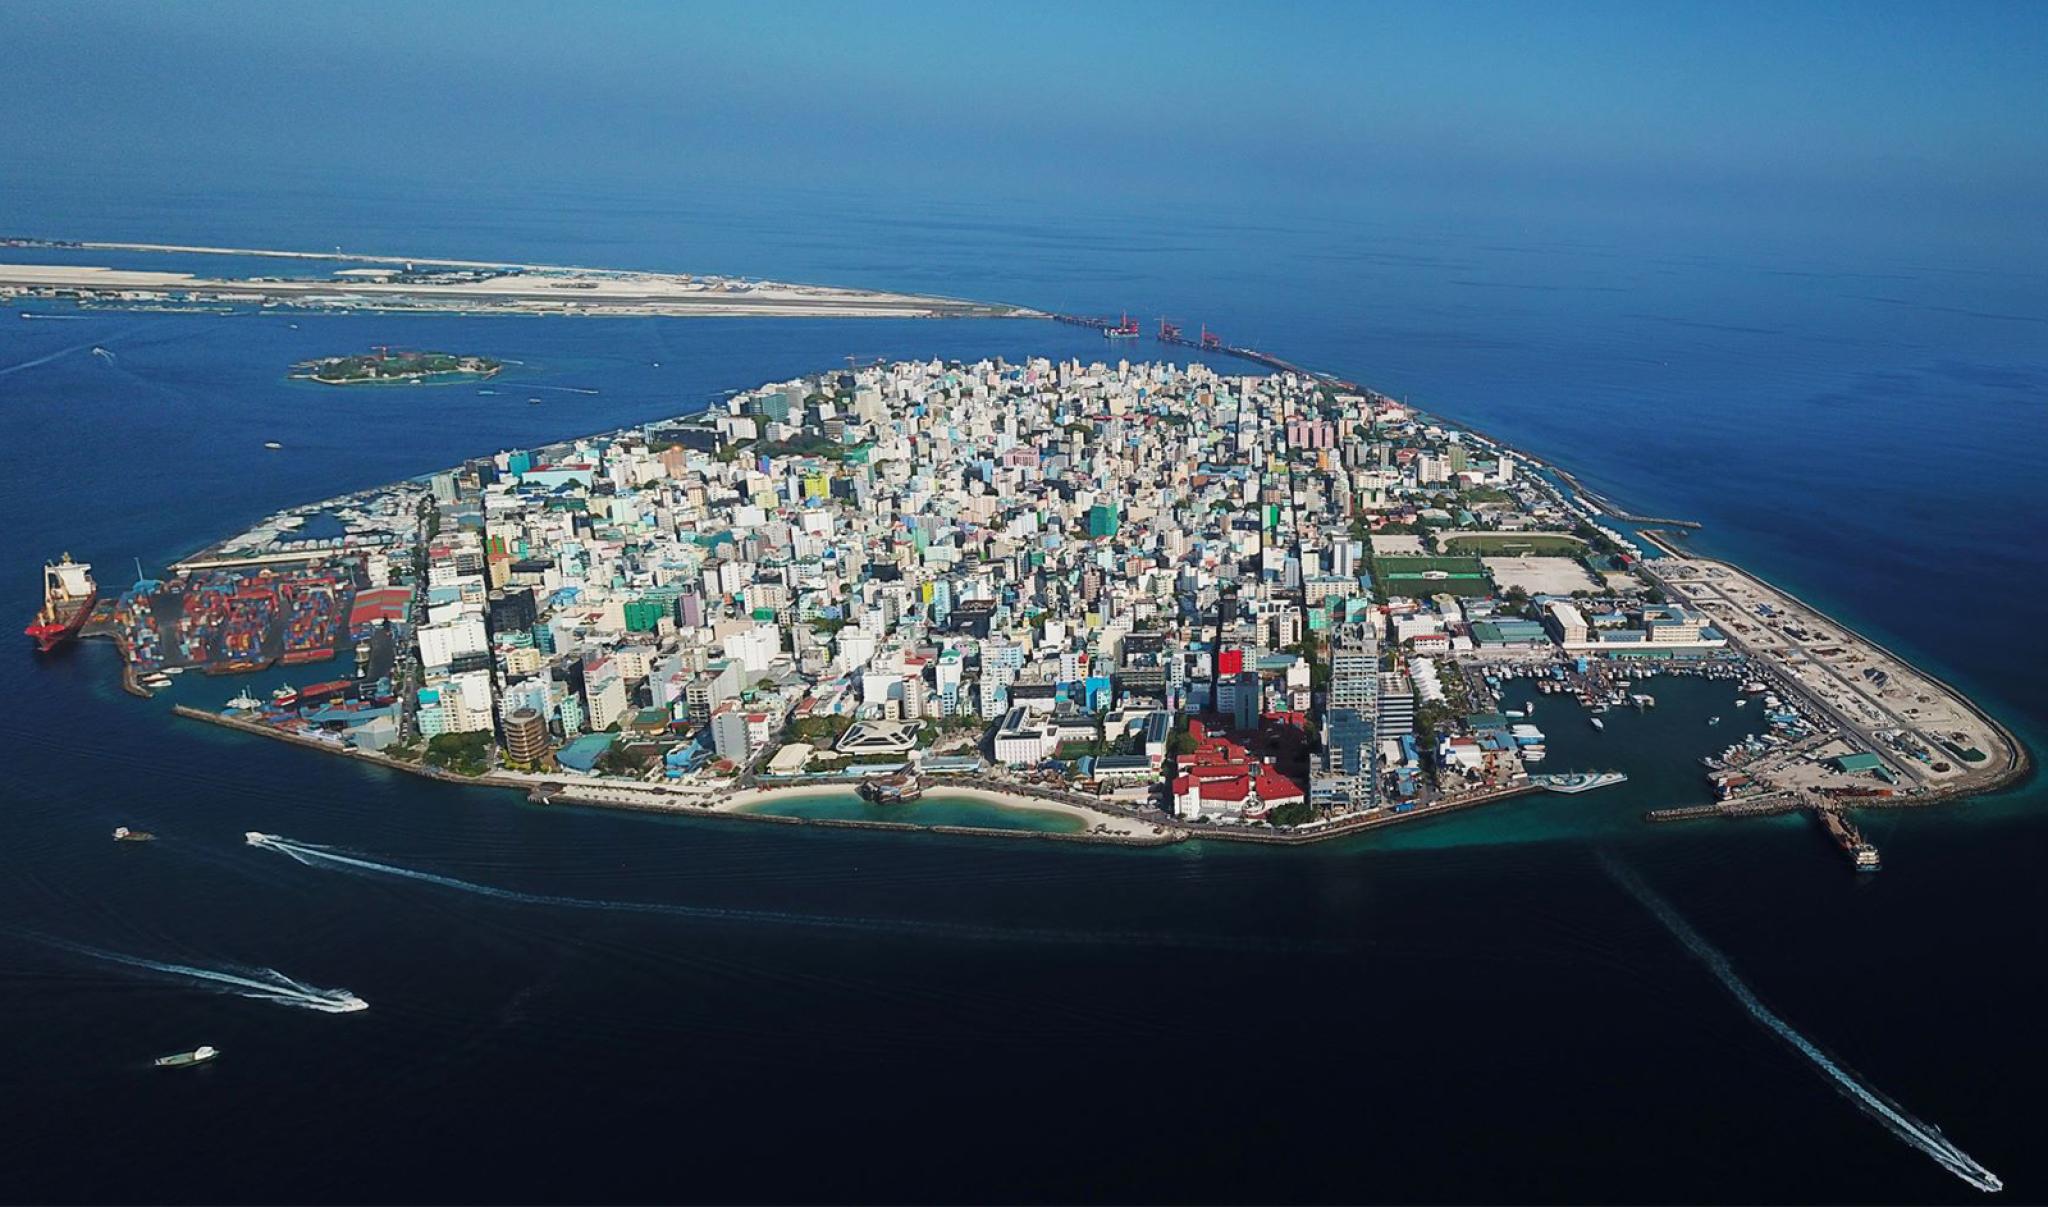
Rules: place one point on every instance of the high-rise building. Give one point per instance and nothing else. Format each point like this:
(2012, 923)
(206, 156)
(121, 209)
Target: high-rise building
(526, 737)
(1348, 777)
(510, 610)
(1396, 707)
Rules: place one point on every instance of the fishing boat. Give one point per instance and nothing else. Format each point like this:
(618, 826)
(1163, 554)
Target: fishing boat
(124, 834)
(185, 1060)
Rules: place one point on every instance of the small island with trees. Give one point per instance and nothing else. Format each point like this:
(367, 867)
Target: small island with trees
(385, 365)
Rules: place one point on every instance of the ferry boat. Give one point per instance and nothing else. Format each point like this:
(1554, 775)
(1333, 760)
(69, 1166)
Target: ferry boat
(185, 1060)
(69, 594)
(1575, 782)
(1862, 852)
(124, 834)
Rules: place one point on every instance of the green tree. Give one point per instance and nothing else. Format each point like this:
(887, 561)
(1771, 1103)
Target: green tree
(1293, 813)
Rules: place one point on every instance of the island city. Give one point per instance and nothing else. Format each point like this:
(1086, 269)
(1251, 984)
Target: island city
(1160, 600)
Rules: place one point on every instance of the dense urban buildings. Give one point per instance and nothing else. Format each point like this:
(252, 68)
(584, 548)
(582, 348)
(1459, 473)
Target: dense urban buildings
(1217, 600)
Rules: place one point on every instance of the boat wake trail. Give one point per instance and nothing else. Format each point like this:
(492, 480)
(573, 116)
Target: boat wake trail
(60, 354)
(262, 984)
(313, 855)
(1924, 1136)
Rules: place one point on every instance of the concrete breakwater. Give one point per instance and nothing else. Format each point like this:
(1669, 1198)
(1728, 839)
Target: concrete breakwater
(1770, 808)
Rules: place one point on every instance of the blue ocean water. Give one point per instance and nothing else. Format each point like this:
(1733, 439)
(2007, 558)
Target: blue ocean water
(1470, 1008)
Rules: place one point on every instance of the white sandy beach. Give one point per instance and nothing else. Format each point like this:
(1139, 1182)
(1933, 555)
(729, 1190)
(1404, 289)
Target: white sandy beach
(1109, 823)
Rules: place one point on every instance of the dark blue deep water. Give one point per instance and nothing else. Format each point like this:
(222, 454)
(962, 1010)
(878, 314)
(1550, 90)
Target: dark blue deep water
(1466, 1009)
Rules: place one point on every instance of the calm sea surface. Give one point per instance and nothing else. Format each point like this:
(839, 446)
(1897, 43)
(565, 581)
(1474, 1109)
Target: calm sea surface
(580, 1005)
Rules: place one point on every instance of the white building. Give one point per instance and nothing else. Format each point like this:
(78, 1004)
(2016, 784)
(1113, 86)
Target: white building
(442, 644)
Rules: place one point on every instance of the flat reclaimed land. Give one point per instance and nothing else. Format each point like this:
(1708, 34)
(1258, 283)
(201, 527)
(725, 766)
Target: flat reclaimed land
(1930, 737)
(470, 287)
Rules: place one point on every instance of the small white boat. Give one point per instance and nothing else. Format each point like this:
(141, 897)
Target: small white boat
(272, 444)
(185, 1060)
(1597, 722)
(1713, 720)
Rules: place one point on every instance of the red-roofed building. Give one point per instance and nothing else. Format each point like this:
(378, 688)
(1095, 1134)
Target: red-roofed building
(1232, 775)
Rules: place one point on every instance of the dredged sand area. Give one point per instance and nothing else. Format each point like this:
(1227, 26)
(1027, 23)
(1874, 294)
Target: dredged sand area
(473, 287)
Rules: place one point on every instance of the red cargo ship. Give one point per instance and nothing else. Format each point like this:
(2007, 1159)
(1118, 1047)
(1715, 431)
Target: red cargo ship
(68, 598)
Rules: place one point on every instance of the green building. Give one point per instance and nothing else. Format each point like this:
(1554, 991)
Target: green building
(644, 615)
(1102, 520)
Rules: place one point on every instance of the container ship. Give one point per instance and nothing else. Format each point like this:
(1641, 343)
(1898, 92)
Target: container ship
(69, 595)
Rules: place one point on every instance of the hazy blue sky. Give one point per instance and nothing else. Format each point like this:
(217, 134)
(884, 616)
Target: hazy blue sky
(1877, 113)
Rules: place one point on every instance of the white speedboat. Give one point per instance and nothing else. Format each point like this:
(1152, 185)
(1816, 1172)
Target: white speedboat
(185, 1060)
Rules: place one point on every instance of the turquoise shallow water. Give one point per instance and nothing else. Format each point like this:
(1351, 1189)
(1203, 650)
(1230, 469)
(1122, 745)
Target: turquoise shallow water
(932, 809)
